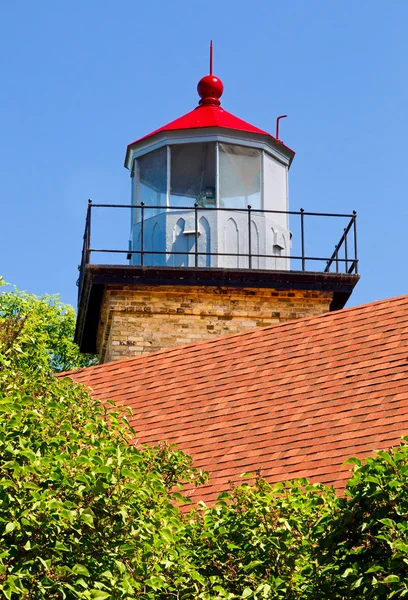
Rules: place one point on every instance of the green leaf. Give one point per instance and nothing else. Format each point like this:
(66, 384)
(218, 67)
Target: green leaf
(353, 460)
(391, 579)
(388, 522)
(167, 535)
(348, 572)
(156, 583)
(7, 483)
(128, 473)
(81, 570)
(9, 527)
(356, 584)
(88, 517)
(31, 486)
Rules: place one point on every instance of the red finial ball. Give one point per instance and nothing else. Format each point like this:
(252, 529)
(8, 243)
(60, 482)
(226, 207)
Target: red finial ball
(210, 89)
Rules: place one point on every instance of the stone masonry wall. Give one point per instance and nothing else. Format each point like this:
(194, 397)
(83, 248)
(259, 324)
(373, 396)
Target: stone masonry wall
(136, 320)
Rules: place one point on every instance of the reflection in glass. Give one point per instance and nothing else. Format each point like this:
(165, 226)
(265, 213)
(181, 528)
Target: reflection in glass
(192, 175)
(151, 185)
(240, 176)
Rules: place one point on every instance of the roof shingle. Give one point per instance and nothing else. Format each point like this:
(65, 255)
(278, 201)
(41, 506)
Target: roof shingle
(294, 399)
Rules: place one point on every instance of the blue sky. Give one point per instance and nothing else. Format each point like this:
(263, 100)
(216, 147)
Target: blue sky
(81, 80)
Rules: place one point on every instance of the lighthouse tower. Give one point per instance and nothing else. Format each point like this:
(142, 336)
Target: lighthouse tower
(210, 243)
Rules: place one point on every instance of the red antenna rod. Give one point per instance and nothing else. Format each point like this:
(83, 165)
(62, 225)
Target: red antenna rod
(211, 56)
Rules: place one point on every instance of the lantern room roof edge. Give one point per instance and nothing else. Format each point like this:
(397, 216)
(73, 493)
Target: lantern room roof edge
(208, 134)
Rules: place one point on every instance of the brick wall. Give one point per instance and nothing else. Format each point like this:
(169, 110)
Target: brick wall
(140, 319)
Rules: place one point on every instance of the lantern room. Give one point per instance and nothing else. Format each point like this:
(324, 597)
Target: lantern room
(209, 190)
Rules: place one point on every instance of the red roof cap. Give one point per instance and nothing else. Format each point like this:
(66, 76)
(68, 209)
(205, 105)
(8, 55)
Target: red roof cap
(208, 114)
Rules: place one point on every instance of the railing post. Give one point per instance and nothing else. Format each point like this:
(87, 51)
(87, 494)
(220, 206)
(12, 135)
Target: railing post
(196, 234)
(249, 238)
(336, 253)
(355, 242)
(142, 204)
(302, 237)
(88, 233)
(345, 249)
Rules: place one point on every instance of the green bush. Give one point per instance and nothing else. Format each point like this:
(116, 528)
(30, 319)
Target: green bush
(45, 330)
(83, 512)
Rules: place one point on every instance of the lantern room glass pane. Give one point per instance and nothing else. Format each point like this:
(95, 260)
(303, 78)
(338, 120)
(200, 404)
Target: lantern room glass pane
(192, 175)
(152, 182)
(240, 176)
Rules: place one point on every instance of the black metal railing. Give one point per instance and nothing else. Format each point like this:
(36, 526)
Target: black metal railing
(342, 260)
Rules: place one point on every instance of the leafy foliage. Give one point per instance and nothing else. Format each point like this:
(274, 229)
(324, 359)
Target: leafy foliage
(367, 541)
(45, 329)
(300, 541)
(259, 541)
(85, 514)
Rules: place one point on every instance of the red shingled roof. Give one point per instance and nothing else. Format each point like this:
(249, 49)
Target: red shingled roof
(294, 399)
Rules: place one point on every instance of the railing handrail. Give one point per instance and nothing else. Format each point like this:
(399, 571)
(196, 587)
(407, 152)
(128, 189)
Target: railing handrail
(215, 208)
(239, 254)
